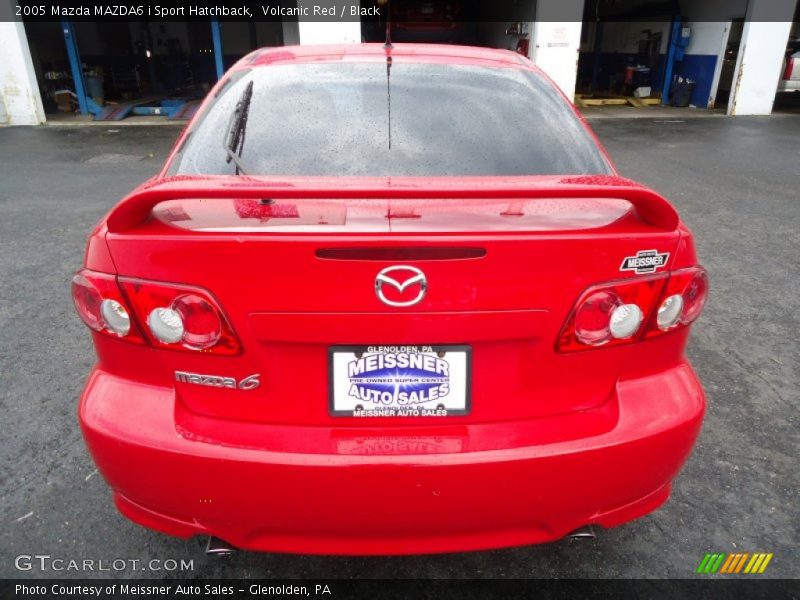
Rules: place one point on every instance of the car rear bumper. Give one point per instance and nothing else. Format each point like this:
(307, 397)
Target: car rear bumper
(395, 503)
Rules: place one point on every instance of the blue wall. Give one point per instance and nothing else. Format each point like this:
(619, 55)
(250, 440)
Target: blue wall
(699, 68)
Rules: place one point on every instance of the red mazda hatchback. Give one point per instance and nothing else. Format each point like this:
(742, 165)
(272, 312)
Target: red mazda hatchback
(386, 301)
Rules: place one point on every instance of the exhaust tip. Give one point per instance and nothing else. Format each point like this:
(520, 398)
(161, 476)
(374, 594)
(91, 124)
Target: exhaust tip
(218, 547)
(582, 533)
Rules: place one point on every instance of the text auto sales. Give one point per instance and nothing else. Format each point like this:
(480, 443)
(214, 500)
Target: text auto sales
(159, 11)
(404, 373)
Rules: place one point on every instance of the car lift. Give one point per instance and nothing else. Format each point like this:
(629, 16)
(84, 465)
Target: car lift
(86, 103)
(150, 106)
(172, 108)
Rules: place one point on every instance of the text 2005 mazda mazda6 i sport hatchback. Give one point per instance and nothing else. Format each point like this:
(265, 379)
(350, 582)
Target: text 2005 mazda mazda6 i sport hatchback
(385, 301)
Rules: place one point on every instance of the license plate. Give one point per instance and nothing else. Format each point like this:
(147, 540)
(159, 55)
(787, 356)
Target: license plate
(400, 381)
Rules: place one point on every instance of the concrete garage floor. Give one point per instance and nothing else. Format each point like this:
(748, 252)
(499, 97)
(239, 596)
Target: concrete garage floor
(735, 182)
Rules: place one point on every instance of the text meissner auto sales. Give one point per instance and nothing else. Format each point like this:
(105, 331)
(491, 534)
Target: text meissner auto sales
(159, 11)
(126, 589)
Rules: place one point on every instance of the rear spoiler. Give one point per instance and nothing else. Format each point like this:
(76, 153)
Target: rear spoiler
(650, 207)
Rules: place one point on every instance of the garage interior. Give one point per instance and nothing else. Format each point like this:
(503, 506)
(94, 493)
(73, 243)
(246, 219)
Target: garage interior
(451, 22)
(634, 53)
(689, 48)
(138, 67)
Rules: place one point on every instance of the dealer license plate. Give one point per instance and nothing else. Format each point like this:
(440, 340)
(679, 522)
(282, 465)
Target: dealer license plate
(400, 381)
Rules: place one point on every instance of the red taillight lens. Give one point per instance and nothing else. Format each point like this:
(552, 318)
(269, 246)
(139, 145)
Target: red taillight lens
(101, 305)
(620, 312)
(787, 74)
(87, 301)
(694, 296)
(180, 317)
(593, 317)
(201, 321)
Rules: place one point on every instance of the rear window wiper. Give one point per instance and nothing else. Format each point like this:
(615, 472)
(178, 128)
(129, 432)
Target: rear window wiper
(234, 139)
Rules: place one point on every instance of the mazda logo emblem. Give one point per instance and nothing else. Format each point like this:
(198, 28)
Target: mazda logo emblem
(414, 279)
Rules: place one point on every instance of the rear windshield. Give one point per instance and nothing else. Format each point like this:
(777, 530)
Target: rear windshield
(352, 119)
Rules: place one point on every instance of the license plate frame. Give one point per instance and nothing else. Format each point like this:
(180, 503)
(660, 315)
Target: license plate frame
(461, 357)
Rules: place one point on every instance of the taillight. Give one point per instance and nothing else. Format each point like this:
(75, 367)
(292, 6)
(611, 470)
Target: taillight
(165, 315)
(102, 307)
(787, 74)
(180, 317)
(620, 312)
(610, 314)
(682, 300)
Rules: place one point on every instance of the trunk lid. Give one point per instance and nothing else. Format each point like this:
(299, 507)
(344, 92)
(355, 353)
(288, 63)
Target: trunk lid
(294, 268)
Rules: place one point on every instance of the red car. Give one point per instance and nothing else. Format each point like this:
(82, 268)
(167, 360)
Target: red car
(387, 301)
